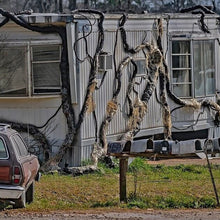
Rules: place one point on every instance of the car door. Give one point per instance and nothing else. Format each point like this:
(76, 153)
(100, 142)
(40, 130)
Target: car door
(28, 162)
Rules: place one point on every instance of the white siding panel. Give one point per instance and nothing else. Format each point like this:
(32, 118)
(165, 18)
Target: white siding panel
(104, 94)
(37, 112)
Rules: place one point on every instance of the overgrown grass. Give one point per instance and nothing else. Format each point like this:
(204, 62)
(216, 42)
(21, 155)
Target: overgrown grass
(158, 187)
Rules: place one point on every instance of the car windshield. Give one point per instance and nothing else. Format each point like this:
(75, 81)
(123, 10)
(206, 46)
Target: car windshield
(3, 150)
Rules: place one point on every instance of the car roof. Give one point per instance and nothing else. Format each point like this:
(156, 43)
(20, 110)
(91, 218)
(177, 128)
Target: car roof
(6, 129)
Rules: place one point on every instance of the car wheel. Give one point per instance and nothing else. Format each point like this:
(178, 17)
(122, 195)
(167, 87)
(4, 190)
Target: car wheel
(21, 202)
(30, 194)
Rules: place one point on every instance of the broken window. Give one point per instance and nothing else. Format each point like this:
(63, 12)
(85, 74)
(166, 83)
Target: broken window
(193, 68)
(45, 69)
(13, 71)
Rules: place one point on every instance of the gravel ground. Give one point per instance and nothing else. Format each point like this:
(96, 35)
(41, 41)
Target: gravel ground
(149, 215)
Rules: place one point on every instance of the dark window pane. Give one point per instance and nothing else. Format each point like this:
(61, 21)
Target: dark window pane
(181, 61)
(46, 53)
(180, 47)
(46, 75)
(180, 76)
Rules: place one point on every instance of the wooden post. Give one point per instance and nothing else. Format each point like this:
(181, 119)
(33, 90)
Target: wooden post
(123, 169)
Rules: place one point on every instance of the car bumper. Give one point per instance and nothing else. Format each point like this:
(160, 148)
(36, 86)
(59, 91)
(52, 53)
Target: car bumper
(11, 192)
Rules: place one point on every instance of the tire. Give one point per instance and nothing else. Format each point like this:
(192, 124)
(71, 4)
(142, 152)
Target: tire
(21, 202)
(30, 193)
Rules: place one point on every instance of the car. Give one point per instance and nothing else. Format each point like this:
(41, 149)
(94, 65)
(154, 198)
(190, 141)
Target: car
(18, 168)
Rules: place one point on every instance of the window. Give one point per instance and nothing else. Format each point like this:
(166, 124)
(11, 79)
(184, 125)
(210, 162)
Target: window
(204, 67)
(13, 71)
(3, 150)
(19, 145)
(141, 67)
(45, 69)
(105, 62)
(44, 74)
(193, 68)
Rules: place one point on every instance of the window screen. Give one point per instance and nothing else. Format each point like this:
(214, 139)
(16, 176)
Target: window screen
(13, 71)
(3, 150)
(45, 68)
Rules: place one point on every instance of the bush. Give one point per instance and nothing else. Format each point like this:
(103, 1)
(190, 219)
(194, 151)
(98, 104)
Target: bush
(137, 166)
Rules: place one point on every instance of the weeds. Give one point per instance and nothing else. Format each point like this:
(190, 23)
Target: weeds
(184, 202)
(104, 169)
(104, 204)
(158, 187)
(137, 166)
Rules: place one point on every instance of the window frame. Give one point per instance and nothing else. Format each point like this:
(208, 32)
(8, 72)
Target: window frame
(42, 62)
(190, 68)
(192, 54)
(9, 44)
(28, 69)
(205, 77)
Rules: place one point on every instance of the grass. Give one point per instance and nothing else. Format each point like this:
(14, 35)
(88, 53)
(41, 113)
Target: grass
(158, 187)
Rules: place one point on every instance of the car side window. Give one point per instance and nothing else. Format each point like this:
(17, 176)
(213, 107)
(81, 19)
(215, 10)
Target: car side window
(19, 145)
(3, 150)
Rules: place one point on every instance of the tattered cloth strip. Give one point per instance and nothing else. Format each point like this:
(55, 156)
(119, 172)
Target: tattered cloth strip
(139, 111)
(90, 101)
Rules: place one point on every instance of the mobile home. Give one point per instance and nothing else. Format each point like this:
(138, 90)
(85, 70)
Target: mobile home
(50, 60)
